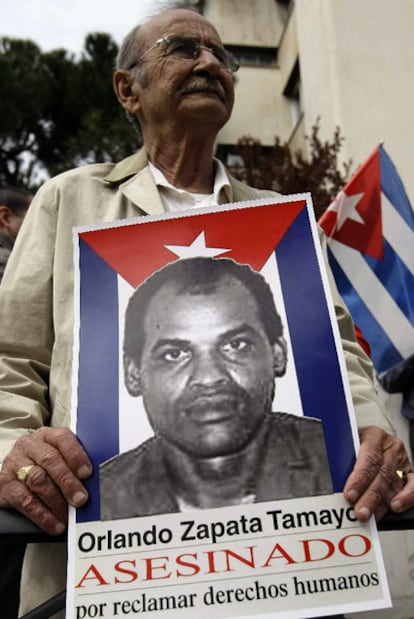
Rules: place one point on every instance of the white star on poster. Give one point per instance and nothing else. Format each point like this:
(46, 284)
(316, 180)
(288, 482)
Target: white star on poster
(345, 207)
(196, 248)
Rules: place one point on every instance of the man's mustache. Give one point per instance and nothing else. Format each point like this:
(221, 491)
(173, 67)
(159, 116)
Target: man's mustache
(216, 396)
(205, 85)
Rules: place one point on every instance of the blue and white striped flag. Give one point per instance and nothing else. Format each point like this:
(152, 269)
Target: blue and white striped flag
(370, 228)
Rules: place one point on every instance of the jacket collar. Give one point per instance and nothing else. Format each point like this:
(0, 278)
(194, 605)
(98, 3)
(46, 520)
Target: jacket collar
(134, 179)
(127, 167)
(144, 193)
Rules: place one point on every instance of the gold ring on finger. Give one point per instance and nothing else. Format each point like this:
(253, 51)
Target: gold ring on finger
(23, 472)
(402, 475)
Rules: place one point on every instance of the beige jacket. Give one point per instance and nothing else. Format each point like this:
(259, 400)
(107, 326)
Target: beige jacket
(36, 307)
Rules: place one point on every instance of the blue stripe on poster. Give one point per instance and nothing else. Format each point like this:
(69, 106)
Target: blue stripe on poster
(319, 378)
(97, 397)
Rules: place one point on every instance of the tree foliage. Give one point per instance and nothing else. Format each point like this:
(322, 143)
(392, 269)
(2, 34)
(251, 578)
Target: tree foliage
(57, 112)
(288, 172)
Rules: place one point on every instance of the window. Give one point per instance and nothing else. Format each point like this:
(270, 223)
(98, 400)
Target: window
(292, 92)
(252, 56)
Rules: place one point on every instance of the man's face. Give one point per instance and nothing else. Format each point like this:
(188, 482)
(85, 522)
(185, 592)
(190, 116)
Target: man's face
(171, 90)
(207, 368)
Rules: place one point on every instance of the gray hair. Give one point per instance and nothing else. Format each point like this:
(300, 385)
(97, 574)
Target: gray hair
(129, 52)
(132, 49)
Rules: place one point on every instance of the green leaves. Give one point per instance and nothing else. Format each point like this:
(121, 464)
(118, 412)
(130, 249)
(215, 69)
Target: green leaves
(57, 111)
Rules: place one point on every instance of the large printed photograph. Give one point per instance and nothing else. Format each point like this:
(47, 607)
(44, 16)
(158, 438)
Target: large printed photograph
(216, 368)
(210, 393)
(204, 347)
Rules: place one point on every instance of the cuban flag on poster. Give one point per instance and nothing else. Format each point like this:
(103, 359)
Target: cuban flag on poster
(370, 226)
(277, 238)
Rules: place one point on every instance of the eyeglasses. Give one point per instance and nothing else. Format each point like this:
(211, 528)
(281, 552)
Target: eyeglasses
(187, 48)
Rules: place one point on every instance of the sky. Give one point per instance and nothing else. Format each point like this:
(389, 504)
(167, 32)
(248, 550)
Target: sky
(64, 24)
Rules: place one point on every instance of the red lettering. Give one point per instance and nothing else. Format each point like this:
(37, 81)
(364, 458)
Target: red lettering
(283, 554)
(195, 569)
(307, 552)
(344, 551)
(152, 567)
(247, 561)
(132, 573)
(211, 563)
(96, 575)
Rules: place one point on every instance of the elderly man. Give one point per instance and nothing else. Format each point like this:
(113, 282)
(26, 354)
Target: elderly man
(208, 395)
(175, 78)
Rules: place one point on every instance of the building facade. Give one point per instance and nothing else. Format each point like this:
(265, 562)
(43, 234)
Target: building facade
(349, 63)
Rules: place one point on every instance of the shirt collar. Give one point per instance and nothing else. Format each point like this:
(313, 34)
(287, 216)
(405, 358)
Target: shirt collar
(222, 189)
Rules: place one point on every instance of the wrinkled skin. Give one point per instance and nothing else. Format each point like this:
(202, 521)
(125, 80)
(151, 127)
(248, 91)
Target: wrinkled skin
(180, 121)
(62, 464)
(373, 486)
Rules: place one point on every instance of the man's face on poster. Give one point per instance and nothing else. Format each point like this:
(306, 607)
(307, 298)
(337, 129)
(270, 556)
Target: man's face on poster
(207, 368)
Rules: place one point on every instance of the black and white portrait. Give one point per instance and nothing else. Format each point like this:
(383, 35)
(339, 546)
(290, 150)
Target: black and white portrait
(203, 350)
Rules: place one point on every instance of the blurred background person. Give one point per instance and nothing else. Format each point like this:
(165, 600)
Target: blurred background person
(14, 203)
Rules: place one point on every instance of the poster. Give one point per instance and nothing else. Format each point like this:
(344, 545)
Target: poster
(204, 399)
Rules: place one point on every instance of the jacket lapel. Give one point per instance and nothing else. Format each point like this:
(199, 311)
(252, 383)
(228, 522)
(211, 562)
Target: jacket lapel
(134, 179)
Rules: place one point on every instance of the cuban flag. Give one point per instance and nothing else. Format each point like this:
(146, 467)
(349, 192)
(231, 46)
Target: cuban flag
(370, 228)
(277, 238)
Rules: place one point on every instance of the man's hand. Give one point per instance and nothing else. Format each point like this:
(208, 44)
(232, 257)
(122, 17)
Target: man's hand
(374, 487)
(59, 463)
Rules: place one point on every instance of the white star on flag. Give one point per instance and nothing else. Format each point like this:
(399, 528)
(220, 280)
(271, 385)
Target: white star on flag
(196, 248)
(345, 207)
